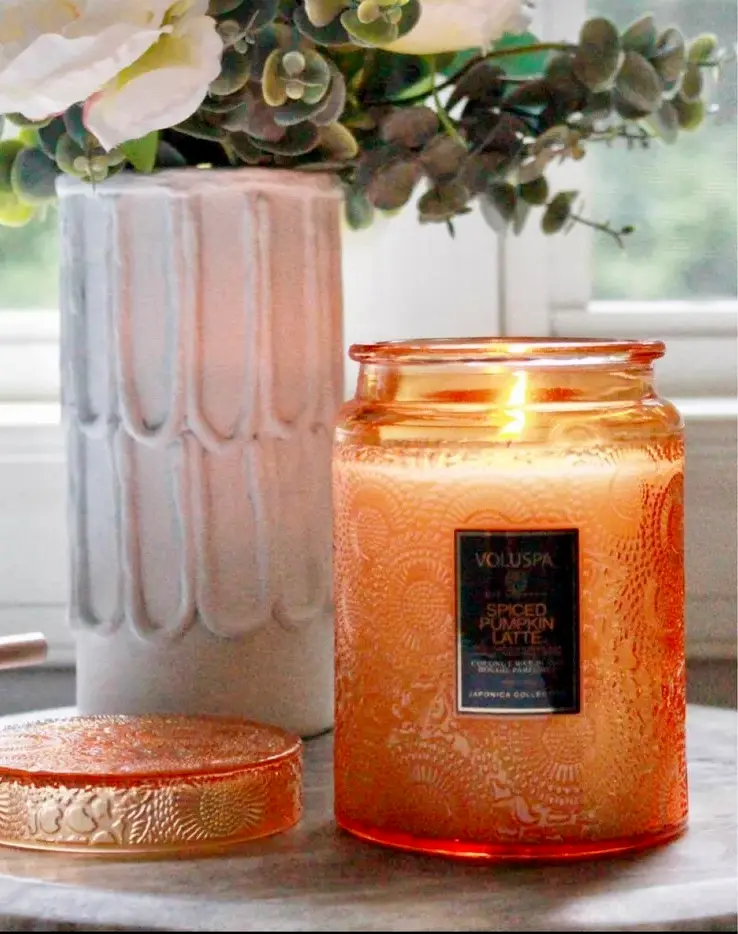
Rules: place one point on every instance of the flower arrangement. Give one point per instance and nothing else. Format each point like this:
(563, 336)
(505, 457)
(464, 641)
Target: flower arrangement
(390, 95)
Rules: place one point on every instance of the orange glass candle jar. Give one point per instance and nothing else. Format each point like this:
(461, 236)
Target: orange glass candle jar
(510, 676)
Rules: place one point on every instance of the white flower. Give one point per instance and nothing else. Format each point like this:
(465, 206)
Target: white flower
(55, 53)
(451, 25)
(140, 65)
(163, 87)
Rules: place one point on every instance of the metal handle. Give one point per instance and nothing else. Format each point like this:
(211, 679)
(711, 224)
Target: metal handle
(22, 650)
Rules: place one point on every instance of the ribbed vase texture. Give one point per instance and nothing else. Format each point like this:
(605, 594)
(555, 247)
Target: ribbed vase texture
(202, 370)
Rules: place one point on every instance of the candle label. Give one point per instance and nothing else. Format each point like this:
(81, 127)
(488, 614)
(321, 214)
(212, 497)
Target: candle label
(517, 621)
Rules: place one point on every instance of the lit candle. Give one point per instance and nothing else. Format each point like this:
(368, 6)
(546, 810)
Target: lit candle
(509, 599)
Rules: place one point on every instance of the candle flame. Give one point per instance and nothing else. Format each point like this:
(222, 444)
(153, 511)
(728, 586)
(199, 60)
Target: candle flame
(514, 408)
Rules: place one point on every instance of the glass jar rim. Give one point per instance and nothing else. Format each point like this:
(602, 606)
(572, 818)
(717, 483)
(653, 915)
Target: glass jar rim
(510, 352)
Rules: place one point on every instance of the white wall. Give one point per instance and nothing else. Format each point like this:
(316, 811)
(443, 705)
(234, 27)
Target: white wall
(403, 280)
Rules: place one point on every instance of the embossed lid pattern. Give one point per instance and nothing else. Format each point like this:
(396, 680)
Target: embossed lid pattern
(139, 746)
(146, 783)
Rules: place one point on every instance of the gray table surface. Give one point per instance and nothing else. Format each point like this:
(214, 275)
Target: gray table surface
(317, 878)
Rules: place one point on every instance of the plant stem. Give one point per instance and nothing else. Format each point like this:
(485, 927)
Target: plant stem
(617, 235)
(488, 56)
(442, 113)
(621, 132)
(508, 53)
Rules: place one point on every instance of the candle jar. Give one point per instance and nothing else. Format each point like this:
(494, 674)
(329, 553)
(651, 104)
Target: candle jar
(508, 540)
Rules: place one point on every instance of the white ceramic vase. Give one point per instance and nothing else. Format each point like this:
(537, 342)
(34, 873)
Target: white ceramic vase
(202, 370)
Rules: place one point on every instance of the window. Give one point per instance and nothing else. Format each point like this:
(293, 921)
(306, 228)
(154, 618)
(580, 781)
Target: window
(29, 262)
(683, 199)
(29, 325)
(676, 278)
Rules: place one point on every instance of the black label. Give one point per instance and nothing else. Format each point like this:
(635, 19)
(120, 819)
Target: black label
(518, 621)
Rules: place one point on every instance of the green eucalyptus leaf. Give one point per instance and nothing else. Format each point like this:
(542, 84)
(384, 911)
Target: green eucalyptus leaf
(690, 114)
(256, 118)
(411, 13)
(626, 110)
(333, 34)
(533, 167)
(314, 95)
(599, 106)
(703, 48)
(443, 202)
(297, 141)
(358, 208)
(639, 84)
(246, 149)
(559, 66)
(498, 205)
(49, 136)
(484, 82)
(535, 192)
(442, 158)
(70, 156)
(141, 153)
(479, 170)
(272, 84)
(597, 58)
(9, 151)
(74, 123)
(264, 43)
(665, 122)
(339, 142)
(294, 112)
(248, 17)
(558, 212)
(20, 121)
(670, 56)
(392, 187)
(28, 135)
(508, 136)
(235, 71)
(535, 93)
(504, 198)
(33, 176)
(222, 105)
(13, 211)
(692, 83)
(331, 107)
(322, 12)
(411, 127)
(641, 36)
(317, 70)
(379, 32)
(220, 7)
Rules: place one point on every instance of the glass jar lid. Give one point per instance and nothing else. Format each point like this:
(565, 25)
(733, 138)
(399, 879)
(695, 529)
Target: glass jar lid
(137, 784)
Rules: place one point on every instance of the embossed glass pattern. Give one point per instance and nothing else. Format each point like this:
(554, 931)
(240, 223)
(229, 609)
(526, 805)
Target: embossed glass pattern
(517, 438)
(116, 784)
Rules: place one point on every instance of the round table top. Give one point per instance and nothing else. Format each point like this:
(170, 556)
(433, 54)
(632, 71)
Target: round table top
(316, 878)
